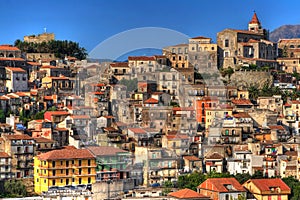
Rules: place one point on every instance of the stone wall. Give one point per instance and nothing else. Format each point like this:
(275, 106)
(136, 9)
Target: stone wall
(245, 79)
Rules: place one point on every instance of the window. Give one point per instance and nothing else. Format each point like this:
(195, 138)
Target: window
(73, 179)
(173, 50)
(67, 163)
(61, 171)
(89, 180)
(79, 181)
(179, 50)
(45, 181)
(179, 58)
(73, 162)
(79, 171)
(89, 162)
(226, 43)
(212, 48)
(185, 50)
(53, 172)
(174, 58)
(227, 197)
(196, 57)
(61, 180)
(226, 132)
(61, 162)
(89, 170)
(53, 182)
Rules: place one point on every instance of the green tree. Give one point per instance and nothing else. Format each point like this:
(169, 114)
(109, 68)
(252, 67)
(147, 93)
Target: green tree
(15, 188)
(39, 115)
(294, 184)
(167, 186)
(191, 181)
(2, 116)
(253, 92)
(130, 84)
(257, 175)
(242, 178)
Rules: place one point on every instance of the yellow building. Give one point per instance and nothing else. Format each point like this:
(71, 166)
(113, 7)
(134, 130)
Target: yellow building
(213, 115)
(268, 189)
(69, 166)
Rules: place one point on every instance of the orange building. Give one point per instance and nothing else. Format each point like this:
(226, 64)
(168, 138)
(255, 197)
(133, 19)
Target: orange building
(265, 189)
(202, 105)
(222, 188)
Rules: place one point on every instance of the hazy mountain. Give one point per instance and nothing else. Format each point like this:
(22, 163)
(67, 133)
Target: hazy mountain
(285, 31)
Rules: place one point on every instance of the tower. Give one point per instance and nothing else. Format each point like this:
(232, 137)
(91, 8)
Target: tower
(254, 25)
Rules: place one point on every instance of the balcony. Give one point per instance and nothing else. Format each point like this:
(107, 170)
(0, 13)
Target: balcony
(5, 163)
(155, 176)
(169, 175)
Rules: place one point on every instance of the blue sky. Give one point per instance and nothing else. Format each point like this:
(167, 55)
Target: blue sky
(90, 22)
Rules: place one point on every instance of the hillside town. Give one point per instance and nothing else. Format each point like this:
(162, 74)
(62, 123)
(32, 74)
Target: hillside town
(224, 112)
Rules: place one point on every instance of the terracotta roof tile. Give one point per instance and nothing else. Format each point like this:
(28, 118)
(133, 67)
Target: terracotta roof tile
(4, 155)
(277, 127)
(104, 151)
(200, 37)
(57, 112)
(7, 47)
(80, 117)
(241, 115)
(220, 185)
(138, 130)
(13, 59)
(119, 64)
(254, 19)
(143, 58)
(191, 158)
(187, 194)
(264, 185)
(214, 155)
(43, 140)
(151, 101)
(18, 137)
(15, 69)
(242, 102)
(34, 63)
(66, 154)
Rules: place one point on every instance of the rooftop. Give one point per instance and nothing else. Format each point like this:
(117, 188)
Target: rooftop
(105, 150)
(66, 154)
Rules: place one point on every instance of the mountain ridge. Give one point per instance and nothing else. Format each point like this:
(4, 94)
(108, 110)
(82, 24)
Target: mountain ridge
(285, 31)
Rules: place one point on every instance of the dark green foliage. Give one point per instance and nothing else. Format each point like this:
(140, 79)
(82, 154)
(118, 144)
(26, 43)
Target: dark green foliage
(130, 84)
(60, 48)
(14, 188)
(2, 116)
(227, 72)
(39, 115)
(294, 184)
(167, 186)
(242, 178)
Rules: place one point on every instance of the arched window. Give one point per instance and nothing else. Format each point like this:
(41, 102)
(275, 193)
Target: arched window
(226, 132)
(292, 46)
(1, 55)
(10, 55)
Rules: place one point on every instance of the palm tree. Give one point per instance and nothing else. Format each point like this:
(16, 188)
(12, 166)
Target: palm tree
(253, 92)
